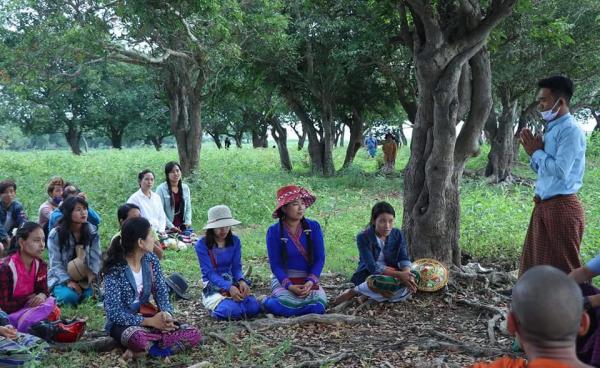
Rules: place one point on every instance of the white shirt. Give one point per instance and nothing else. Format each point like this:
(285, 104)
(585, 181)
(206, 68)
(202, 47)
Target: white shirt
(139, 283)
(151, 208)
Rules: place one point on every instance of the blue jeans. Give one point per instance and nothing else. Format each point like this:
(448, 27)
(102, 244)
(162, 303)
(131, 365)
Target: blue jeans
(65, 295)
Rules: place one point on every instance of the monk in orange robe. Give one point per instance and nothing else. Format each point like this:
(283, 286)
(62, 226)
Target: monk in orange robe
(546, 315)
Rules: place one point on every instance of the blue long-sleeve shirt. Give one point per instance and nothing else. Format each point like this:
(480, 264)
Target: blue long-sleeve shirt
(93, 218)
(120, 291)
(560, 165)
(228, 260)
(395, 254)
(295, 260)
(16, 216)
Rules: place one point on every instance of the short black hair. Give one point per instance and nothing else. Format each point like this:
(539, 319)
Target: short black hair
(559, 85)
(5, 184)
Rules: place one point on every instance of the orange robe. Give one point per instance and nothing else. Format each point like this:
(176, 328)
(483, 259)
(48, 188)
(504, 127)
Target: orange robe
(521, 363)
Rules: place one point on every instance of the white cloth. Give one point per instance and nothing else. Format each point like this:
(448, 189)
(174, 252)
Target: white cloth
(139, 283)
(400, 295)
(151, 208)
(381, 259)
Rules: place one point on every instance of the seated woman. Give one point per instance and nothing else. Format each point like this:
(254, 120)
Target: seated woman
(69, 190)
(296, 256)
(383, 272)
(23, 280)
(16, 348)
(132, 274)
(129, 211)
(588, 346)
(72, 232)
(12, 214)
(55, 194)
(149, 202)
(176, 200)
(225, 293)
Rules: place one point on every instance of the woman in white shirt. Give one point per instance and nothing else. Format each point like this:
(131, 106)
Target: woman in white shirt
(149, 202)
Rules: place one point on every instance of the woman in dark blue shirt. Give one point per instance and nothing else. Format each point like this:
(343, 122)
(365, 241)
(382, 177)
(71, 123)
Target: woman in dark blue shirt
(225, 291)
(383, 271)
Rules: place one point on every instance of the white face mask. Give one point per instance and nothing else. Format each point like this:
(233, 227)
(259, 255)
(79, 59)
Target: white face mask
(550, 115)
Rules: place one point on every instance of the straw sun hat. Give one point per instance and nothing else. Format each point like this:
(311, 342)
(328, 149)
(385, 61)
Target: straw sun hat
(220, 216)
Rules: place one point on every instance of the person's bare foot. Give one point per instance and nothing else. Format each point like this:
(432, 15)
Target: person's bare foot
(344, 296)
(129, 355)
(362, 299)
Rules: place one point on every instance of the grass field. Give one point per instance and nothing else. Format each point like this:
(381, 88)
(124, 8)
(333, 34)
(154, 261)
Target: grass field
(493, 224)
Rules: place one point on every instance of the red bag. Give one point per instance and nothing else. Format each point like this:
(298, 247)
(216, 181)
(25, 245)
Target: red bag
(70, 331)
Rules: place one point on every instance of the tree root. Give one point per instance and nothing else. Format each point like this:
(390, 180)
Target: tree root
(363, 306)
(330, 360)
(101, 344)
(491, 325)
(485, 307)
(331, 319)
(251, 331)
(457, 346)
(222, 339)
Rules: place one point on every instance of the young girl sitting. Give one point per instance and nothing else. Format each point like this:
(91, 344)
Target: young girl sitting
(226, 294)
(72, 232)
(296, 255)
(129, 211)
(12, 214)
(132, 274)
(23, 280)
(383, 272)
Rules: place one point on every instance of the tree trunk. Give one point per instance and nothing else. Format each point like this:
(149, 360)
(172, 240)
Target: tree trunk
(597, 127)
(356, 132)
(184, 86)
(238, 139)
(280, 136)
(327, 125)
(403, 139)
(73, 137)
(259, 136)
(216, 138)
(156, 142)
(116, 137)
(301, 137)
(501, 156)
(319, 143)
(431, 196)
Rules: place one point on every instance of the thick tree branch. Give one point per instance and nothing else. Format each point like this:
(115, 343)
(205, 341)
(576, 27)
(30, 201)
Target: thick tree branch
(496, 12)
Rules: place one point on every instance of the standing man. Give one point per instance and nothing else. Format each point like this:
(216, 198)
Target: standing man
(557, 222)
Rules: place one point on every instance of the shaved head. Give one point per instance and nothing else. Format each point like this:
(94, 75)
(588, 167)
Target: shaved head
(548, 306)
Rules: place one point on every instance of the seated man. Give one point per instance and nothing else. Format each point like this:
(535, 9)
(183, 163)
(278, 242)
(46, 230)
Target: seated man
(12, 214)
(546, 323)
(56, 215)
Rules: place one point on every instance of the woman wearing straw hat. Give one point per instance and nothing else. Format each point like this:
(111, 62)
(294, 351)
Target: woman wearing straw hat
(296, 256)
(226, 294)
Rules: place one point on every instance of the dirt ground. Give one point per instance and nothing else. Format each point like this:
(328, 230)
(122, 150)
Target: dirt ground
(451, 328)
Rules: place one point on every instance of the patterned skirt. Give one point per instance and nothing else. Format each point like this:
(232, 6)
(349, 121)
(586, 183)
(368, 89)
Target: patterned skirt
(285, 303)
(554, 234)
(155, 342)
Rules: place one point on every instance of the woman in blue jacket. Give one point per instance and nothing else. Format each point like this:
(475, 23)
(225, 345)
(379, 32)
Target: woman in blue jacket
(383, 271)
(132, 274)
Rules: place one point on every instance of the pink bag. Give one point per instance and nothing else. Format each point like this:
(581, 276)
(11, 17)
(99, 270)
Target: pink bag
(25, 317)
